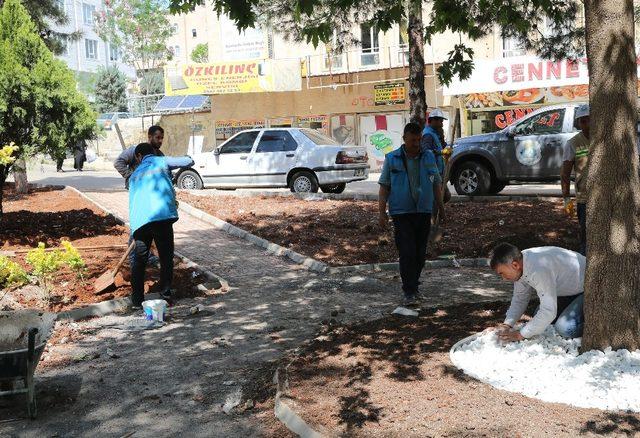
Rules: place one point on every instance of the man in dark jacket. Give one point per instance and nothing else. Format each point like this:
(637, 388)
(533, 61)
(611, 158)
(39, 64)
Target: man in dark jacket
(126, 162)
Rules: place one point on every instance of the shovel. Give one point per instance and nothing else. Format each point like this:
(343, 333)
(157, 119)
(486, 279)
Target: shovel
(107, 279)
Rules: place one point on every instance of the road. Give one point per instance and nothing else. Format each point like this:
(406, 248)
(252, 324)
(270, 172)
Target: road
(105, 180)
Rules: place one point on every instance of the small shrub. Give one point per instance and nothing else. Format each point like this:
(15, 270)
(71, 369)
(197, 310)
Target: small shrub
(44, 263)
(72, 258)
(11, 273)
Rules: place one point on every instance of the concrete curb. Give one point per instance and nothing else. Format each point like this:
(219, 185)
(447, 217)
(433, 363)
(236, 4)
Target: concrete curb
(433, 264)
(101, 309)
(369, 196)
(273, 248)
(285, 413)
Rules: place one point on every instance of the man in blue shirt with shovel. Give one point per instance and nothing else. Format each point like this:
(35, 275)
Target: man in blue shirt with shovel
(409, 183)
(152, 212)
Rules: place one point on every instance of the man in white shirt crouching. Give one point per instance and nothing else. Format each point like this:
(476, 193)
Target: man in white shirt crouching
(557, 277)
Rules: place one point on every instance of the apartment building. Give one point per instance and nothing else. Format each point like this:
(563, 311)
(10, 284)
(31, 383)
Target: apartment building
(86, 55)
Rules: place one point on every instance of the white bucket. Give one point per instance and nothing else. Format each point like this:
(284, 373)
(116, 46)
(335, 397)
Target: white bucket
(155, 309)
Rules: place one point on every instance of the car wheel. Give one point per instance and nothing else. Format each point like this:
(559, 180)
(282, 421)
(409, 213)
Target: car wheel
(189, 180)
(304, 182)
(497, 187)
(472, 179)
(334, 188)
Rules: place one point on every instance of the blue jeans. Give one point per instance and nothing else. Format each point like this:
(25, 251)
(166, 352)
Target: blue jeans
(582, 219)
(570, 322)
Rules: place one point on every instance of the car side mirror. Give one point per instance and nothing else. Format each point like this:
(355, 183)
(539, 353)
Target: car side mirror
(216, 151)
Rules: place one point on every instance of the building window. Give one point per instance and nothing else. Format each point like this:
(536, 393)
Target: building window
(65, 48)
(60, 5)
(88, 12)
(332, 60)
(176, 51)
(91, 49)
(370, 45)
(194, 33)
(175, 28)
(114, 53)
(403, 43)
(511, 47)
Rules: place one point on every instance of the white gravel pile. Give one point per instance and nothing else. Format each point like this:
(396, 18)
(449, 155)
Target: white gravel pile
(549, 368)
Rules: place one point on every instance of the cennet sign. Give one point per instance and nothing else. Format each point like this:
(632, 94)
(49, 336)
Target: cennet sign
(520, 73)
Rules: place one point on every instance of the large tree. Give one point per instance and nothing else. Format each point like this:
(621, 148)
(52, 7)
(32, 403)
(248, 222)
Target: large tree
(40, 109)
(551, 29)
(612, 298)
(140, 28)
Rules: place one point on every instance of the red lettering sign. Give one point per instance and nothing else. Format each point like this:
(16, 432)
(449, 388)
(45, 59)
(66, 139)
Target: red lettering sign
(535, 71)
(573, 70)
(506, 118)
(554, 69)
(500, 75)
(517, 72)
(500, 122)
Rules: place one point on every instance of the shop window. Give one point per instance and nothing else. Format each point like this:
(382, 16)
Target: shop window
(276, 141)
(370, 45)
(512, 47)
(240, 144)
(548, 122)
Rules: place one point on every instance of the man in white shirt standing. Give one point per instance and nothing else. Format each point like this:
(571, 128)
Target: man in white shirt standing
(557, 277)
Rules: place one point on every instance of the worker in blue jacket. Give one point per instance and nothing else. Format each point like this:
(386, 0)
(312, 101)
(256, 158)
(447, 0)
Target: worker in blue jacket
(411, 186)
(431, 138)
(152, 212)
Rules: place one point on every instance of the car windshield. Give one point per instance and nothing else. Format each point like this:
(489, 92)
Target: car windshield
(318, 138)
(105, 116)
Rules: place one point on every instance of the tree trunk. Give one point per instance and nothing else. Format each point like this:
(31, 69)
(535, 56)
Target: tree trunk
(612, 285)
(20, 176)
(417, 96)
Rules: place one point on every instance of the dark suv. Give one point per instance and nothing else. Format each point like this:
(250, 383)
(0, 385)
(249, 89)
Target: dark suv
(529, 150)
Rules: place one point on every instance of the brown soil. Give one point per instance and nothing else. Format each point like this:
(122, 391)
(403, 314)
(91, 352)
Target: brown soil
(346, 232)
(393, 377)
(51, 216)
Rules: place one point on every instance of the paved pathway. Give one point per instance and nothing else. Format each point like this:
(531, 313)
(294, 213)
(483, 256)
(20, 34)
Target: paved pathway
(174, 380)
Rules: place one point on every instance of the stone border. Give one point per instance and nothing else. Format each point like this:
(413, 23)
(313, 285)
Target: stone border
(368, 196)
(285, 414)
(273, 248)
(310, 263)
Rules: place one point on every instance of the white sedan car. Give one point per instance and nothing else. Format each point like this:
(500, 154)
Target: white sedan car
(301, 159)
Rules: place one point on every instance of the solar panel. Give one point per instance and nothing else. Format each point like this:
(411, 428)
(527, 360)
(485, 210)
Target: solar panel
(193, 102)
(169, 103)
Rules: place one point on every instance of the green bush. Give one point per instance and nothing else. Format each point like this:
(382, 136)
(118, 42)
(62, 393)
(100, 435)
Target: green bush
(11, 273)
(72, 258)
(44, 263)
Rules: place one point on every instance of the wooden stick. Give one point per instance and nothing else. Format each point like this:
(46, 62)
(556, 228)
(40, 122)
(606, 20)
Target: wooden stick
(11, 253)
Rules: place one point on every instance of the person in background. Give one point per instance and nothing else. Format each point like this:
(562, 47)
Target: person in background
(126, 162)
(431, 137)
(576, 157)
(152, 212)
(79, 154)
(409, 183)
(556, 275)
